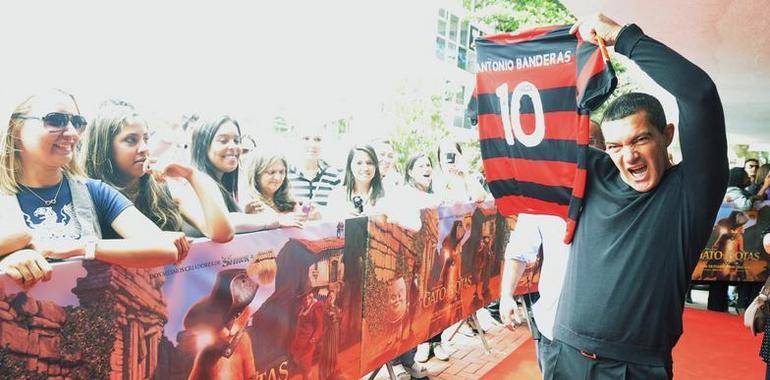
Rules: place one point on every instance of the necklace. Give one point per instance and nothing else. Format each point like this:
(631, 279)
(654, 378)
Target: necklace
(50, 202)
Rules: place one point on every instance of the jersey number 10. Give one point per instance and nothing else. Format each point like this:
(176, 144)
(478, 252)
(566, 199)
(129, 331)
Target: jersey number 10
(512, 115)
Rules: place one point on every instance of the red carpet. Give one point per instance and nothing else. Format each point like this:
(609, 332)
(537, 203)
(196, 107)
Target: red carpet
(713, 346)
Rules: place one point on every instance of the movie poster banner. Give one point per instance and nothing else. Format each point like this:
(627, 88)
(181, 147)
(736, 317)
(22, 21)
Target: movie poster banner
(421, 278)
(330, 301)
(267, 305)
(734, 251)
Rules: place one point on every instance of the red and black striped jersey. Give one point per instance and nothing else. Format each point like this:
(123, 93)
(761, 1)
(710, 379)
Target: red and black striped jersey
(534, 92)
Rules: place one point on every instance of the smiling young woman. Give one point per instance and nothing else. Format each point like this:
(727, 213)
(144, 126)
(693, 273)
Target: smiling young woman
(216, 151)
(362, 191)
(43, 191)
(117, 149)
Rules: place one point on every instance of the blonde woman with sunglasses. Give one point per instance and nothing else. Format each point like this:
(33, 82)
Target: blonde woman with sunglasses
(43, 191)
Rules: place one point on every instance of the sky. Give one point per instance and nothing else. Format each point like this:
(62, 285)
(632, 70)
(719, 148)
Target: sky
(311, 58)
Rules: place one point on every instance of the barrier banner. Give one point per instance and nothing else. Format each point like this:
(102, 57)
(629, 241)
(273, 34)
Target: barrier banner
(267, 305)
(421, 279)
(273, 305)
(734, 251)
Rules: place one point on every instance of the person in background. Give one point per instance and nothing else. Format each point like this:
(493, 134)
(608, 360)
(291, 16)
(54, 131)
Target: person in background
(736, 192)
(457, 183)
(361, 192)
(391, 177)
(761, 185)
(269, 190)
(750, 165)
(216, 151)
(43, 190)
(419, 187)
(761, 299)
(117, 152)
(172, 143)
(418, 181)
(312, 179)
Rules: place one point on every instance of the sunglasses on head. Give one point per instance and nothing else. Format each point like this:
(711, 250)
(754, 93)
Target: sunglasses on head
(58, 120)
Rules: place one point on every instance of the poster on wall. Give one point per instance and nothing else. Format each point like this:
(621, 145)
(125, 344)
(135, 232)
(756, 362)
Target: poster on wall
(734, 251)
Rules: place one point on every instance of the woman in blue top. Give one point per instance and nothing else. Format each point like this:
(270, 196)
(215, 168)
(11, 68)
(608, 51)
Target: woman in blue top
(43, 190)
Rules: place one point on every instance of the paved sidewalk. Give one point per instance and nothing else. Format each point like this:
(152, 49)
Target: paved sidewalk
(468, 359)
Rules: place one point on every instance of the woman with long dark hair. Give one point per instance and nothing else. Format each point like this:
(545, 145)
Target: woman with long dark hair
(118, 154)
(43, 190)
(361, 191)
(216, 151)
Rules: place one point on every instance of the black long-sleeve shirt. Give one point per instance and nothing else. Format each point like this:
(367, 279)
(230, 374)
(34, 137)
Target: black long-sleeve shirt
(633, 252)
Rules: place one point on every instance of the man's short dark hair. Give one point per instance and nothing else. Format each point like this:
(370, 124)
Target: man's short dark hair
(750, 160)
(634, 102)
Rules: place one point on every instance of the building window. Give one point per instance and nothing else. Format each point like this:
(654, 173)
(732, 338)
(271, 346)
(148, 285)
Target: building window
(454, 41)
(440, 48)
(462, 59)
(453, 28)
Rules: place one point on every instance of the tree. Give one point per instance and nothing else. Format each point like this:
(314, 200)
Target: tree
(419, 125)
(512, 15)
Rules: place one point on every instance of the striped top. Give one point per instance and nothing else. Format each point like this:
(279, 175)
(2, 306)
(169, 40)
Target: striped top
(316, 189)
(534, 92)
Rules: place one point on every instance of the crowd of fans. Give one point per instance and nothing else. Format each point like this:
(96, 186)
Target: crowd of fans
(98, 187)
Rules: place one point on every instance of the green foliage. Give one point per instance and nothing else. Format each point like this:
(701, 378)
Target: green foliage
(12, 367)
(512, 15)
(419, 128)
(625, 85)
(742, 152)
(91, 331)
(280, 125)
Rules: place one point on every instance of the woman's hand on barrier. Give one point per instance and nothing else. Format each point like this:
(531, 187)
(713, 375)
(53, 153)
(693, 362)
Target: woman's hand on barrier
(182, 243)
(292, 220)
(254, 207)
(27, 267)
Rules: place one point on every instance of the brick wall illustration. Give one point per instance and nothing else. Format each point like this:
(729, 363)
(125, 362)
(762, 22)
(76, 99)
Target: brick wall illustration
(114, 333)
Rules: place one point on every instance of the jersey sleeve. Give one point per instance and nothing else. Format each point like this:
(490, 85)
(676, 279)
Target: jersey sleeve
(108, 201)
(596, 78)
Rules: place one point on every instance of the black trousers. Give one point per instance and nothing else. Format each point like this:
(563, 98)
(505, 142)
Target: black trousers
(569, 363)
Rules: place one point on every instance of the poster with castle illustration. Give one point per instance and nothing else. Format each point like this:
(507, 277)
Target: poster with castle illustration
(267, 305)
(422, 278)
(329, 301)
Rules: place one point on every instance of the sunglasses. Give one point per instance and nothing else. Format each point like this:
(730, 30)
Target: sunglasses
(58, 120)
